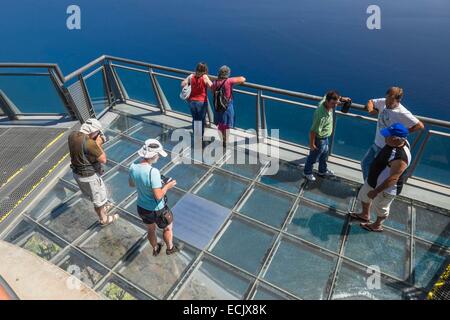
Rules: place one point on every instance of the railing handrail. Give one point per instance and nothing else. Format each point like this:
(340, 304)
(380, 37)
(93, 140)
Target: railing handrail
(103, 58)
(295, 94)
(35, 65)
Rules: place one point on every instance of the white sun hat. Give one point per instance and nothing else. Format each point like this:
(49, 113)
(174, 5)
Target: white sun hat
(91, 125)
(151, 148)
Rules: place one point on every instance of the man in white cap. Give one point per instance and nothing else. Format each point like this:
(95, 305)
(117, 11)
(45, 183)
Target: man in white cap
(87, 156)
(151, 202)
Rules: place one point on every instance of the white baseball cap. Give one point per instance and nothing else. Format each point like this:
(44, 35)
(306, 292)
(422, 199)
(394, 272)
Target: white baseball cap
(151, 148)
(90, 126)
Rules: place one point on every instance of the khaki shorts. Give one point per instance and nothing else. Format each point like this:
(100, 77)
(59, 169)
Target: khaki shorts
(381, 203)
(93, 188)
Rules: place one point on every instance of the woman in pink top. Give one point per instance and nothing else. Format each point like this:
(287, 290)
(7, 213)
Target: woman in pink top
(198, 100)
(225, 119)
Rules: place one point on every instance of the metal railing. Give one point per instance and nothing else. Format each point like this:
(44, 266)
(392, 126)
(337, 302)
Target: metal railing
(116, 92)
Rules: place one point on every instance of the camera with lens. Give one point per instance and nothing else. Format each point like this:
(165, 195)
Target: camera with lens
(346, 106)
(165, 180)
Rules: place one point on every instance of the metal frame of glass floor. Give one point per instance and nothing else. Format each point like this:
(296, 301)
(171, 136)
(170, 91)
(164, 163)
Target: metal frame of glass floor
(285, 239)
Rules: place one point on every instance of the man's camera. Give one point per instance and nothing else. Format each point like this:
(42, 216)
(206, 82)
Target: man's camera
(165, 180)
(98, 168)
(346, 106)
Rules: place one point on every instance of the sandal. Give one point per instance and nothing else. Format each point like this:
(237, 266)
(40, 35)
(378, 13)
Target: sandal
(108, 206)
(109, 219)
(358, 217)
(369, 227)
(158, 250)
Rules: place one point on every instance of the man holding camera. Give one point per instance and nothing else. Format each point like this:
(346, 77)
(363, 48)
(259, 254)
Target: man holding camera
(87, 157)
(321, 130)
(152, 201)
(389, 111)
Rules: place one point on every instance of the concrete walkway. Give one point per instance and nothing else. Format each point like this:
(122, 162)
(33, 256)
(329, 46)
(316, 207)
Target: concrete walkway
(33, 278)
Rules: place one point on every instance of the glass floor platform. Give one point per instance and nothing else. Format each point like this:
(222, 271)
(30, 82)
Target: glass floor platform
(295, 237)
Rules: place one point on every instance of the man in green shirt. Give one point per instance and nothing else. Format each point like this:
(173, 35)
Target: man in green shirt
(321, 129)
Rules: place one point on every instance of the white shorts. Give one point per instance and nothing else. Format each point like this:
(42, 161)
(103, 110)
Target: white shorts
(381, 203)
(93, 188)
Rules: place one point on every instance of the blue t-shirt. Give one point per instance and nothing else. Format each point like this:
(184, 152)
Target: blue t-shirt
(140, 175)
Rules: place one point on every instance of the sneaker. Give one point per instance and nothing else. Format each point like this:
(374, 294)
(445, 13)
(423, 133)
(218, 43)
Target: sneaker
(327, 173)
(175, 249)
(310, 177)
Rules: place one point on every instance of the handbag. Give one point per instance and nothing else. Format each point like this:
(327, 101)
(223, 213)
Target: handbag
(164, 216)
(186, 91)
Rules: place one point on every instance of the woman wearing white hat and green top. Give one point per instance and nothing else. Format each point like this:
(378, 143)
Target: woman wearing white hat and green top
(151, 202)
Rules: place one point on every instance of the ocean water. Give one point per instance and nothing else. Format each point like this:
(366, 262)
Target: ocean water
(303, 45)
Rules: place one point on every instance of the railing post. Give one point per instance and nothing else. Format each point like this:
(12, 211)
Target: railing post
(119, 89)
(108, 91)
(263, 117)
(416, 160)
(86, 96)
(162, 100)
(8, 107)
(258, 119)
(331, 143)
(63, 93)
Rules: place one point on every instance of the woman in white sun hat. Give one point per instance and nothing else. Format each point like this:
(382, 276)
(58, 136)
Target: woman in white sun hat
(151, 203)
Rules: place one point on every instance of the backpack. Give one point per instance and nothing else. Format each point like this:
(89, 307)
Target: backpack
(186, 91)
(221, 102)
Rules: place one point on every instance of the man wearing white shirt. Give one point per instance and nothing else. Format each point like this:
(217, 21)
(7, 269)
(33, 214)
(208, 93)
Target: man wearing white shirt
(390, 111)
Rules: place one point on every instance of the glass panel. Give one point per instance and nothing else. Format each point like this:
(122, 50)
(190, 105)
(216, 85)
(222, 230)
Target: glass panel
(241, 239)
(267, 206)
(138, 85)
(384, 249)
(117, 185)
(97, 91)
(318, 225)
(249, 169)
(399, 215)
(156, 275)
(109, 244)
(71, 219)
(293, 121)
(50, 200)
(288, 178)
(429, 263)
(113, 291)
(335, 193)
(301, 270)
(110, 135)
(121, 149)
(82, 267)
(42, 246)
(244, 110)
(263, 293)
(223, 189)
(32, 94)
(351, 145)
(147, 131)
(20, 232)
(171, 89)
(432, 226)
(187, 174)
(352, 284)
(212, 281)
(123, 123)
(435, 160)
(168, 144)
(173, 195)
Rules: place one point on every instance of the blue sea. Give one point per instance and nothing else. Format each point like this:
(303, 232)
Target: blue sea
(303, 45)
